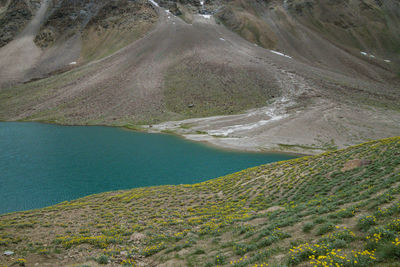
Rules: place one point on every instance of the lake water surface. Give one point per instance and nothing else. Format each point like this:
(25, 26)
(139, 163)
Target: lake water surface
(42, 164)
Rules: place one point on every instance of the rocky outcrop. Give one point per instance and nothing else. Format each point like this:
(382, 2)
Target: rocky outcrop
(121, 14)
(14, 20)
(3, 3)
(65, 19)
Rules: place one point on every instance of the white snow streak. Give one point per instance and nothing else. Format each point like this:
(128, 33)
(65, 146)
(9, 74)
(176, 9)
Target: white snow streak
(154, 3)
(206, 16)
(367, 55)
(285, 4)
(279, 53)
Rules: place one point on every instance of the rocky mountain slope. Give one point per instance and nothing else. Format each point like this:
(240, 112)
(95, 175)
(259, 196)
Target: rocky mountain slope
(294, 75)
(14, 16)
(301, 26)
(340, 207)
(67, 32)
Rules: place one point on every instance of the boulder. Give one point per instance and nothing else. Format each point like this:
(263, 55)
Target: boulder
(8, 252)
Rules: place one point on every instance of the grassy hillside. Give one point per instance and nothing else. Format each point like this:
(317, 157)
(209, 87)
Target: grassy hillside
(340, 207)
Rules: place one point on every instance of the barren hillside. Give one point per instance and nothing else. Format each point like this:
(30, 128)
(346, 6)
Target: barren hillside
(302, 76)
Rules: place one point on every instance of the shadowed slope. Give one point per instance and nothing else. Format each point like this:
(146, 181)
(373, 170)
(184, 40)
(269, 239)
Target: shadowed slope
(321, 33)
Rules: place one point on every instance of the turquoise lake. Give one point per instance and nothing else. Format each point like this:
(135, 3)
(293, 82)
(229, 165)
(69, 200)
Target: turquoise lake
(42, 164)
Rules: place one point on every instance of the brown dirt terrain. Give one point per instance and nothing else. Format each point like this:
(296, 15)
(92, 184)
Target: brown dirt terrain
(307, 95)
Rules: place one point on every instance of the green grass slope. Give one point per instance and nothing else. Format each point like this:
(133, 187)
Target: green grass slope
(339, 208)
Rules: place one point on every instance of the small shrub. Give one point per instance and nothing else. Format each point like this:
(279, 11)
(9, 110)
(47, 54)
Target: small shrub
(295, 243)
(319, 220)
(302, 252)
(365, 222)
(371, 245)
(103, 259)
(153, 249)
(339, 243)
(244, 229)
(390, 251)
(199, 251)
(219, 259)
(128, 263)
(241, 249)
(325, 228)
(20, 262)
(307, 227)
(344, 234)
(346, 213)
